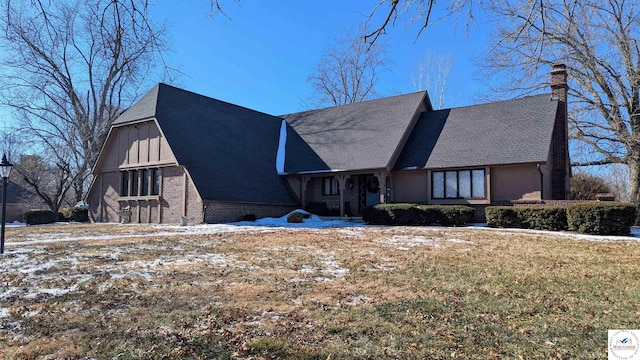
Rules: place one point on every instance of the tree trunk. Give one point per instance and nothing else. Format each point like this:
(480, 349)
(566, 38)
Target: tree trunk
(634, 182)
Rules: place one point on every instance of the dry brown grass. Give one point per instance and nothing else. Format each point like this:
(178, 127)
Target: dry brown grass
(313, 294)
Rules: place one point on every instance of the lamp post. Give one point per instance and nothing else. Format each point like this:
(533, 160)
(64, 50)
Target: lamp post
(5, 170)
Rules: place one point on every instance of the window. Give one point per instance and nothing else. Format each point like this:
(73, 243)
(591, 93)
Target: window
(145, 182)
(451, 184)
(438, 184)
(124, 190)
(155, 185)
(330, 186)
(477, 177)
(461, 184)
(135, 182)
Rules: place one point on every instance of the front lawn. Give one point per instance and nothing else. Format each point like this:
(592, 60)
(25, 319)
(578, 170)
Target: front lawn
(149, 292)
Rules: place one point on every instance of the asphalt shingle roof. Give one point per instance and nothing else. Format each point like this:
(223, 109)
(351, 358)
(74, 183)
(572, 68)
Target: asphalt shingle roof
(504, 132)
(229, 151)
(357, 136)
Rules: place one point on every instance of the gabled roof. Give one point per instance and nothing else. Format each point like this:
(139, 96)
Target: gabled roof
(504, 132)
(235, 154)
(17, 193)
(360, 136)
(229, 151)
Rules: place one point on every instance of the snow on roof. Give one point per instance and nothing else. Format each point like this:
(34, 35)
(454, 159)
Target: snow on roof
(282, 144)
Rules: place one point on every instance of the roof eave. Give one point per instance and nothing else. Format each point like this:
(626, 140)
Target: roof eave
(534, 162)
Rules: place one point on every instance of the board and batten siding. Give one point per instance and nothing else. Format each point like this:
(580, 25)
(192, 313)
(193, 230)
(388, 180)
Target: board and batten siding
(134, 147)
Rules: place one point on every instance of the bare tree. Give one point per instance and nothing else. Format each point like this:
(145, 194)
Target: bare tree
(617, 176)
(217, 7)
(432, 74)
(46, 179)
(598, 41)
(348, 71)
(70, 68)
(586, 186)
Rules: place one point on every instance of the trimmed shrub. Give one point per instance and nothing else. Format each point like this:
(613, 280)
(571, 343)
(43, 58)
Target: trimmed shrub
(538, 217)
(382, 214)
(455, 215)
(412, 214)
(78, 214)
(602, 218)
(62, 216)
(36, 217)
(544, 217)
(503, 216)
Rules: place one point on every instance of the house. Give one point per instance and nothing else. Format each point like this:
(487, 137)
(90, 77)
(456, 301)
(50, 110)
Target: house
(19, 201)
(177, 155)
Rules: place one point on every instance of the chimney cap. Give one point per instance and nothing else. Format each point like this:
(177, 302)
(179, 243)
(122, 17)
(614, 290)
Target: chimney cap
(559, 67)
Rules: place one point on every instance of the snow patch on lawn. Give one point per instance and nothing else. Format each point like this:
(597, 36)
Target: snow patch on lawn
(52, 292)
(357, 299)
(312, 222)
(5, 312)
(634, 236)
(329, 270)
(264, 225)
(406, 242)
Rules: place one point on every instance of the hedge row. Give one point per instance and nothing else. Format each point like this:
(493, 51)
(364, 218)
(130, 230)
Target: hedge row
(539, 218)
(78, 214)
(412, 214)
(37, 217)
(602, 218)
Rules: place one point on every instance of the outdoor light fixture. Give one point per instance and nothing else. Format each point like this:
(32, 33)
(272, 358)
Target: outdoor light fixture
(5, 171)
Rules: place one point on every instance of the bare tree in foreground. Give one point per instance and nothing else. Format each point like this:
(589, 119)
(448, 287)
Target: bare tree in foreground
(71, 67)
(598, 41)
(348, 71)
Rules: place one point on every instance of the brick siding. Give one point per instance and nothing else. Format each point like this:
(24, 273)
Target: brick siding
(107, 206)
(217, 212)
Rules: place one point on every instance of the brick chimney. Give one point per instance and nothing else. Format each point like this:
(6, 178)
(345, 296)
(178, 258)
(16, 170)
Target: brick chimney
(559, 87)
(560, 165)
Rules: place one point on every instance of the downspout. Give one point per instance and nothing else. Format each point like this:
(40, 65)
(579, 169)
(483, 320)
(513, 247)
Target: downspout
(541, 182)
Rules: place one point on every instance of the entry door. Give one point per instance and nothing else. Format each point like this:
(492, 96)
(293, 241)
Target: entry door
(372, 197)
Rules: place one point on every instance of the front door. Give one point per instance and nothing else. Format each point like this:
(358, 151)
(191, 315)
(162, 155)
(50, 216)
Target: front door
(372, 191)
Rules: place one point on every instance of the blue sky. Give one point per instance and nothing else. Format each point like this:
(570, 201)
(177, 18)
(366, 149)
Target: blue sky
(261, 54)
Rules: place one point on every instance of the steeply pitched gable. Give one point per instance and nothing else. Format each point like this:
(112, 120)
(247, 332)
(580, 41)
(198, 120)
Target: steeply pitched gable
(359, 136)
(504, 132)
(229, 151)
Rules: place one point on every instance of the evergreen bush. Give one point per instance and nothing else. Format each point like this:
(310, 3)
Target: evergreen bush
(78, 214)
(413, 214)
(503, 217)
(602, 218)
(37, 217)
